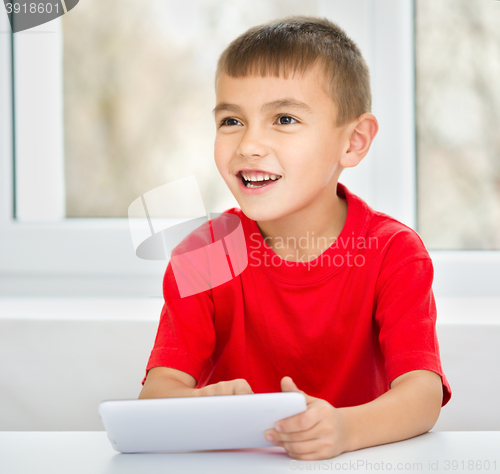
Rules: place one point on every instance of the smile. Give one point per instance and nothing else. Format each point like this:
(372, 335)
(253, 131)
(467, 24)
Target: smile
(257, 184)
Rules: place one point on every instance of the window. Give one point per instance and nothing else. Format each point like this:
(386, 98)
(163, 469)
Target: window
(458, 168)
(115, 116)
(458, 123)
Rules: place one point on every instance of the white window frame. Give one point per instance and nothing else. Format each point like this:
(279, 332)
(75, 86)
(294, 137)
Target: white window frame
(53, 256)
(61, 256)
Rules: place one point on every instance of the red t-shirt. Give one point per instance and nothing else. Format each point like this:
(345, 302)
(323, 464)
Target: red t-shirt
(342, 326)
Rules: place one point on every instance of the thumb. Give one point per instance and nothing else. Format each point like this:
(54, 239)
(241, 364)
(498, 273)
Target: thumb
(288, 385)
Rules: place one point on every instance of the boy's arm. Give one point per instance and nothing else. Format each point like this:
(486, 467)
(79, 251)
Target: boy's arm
(165, 382)
(411, 407)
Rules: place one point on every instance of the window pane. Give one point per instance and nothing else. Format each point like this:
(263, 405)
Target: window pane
(138, 96)
(458, 123)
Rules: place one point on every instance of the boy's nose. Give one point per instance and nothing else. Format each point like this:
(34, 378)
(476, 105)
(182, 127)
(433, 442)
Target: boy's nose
(252, 144)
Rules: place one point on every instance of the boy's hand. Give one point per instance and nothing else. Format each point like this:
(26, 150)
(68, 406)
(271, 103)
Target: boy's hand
(231, 387)
(317, 433)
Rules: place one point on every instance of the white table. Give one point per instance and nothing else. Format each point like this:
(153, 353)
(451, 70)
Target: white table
(90, 452)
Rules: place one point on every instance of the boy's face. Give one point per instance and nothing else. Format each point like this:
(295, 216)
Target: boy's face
(300, 144)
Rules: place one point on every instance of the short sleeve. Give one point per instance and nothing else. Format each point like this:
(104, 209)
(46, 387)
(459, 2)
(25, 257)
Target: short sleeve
(186, 336)
(406, 316)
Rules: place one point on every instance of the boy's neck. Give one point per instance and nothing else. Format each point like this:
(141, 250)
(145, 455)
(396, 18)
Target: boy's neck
(308, 232)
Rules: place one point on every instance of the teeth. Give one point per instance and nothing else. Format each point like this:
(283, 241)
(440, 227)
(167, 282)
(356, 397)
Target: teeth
(260, 177)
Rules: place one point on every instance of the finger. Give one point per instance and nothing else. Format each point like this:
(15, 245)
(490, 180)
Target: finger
(225, 387)
(229, 387)
(212, 390)
(305, 448)
(288, 385)
(201, 392)
(303, 438)
(314, 432)
(300, 422)
(241, 386)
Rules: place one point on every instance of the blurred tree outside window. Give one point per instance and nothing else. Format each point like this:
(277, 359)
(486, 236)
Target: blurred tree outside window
(458, 123)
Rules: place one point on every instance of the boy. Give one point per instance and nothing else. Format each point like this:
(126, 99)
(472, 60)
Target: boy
(347, 319)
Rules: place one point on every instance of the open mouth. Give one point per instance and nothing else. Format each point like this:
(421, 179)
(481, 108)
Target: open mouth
(257, 184)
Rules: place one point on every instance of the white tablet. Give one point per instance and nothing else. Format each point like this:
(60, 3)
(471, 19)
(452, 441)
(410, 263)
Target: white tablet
(196, 423)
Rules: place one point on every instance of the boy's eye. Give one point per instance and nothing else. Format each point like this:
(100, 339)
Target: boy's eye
(224, 122)
(287, 122)
(285, 117)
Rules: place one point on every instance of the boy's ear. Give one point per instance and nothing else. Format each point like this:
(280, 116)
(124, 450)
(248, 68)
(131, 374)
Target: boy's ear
(360, 135)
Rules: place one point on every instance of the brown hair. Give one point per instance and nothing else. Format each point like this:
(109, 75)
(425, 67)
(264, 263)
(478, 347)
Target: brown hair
(296, 43)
